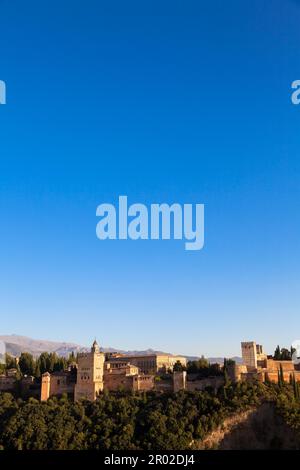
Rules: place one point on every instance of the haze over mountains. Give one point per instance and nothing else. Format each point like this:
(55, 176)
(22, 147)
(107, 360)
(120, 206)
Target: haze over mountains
(16, 344)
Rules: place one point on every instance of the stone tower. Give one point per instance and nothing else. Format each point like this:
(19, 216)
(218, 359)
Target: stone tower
(45, 387)
(249, 354)
(90, 374)
(179, 381)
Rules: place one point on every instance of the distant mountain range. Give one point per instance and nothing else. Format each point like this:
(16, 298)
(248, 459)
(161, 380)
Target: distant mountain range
(16, 344)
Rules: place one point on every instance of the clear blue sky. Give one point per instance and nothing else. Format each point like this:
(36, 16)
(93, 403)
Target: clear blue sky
(164, 101)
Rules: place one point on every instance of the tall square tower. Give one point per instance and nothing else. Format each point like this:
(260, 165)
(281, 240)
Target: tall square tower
(90, 373)
(249, 354)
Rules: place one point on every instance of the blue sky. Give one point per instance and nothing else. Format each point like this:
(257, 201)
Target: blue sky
(163, 101)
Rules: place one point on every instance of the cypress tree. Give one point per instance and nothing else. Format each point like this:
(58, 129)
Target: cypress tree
(281, 375)
(277, 353)
(296, 388)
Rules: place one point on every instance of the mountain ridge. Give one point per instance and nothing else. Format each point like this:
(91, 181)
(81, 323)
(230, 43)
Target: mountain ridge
(16, 344)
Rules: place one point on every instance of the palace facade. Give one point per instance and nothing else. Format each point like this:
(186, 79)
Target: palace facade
(96, 372)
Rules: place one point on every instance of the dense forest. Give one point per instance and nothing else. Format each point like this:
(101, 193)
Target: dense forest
(149, 421)
(27, 364)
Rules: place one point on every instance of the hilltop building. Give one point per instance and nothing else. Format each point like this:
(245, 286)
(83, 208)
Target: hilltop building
(94, 374)
(25, 387)
(258, 365)
(8, 380)
(153, 363)
(97, 371)
(58, 383)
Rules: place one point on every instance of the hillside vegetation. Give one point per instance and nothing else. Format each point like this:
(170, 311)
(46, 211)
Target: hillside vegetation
(139, 421)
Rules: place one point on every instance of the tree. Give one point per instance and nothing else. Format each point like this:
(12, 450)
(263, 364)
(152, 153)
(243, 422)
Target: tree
(27, 364)
(10, 362)
(178, 367)
(51, 362)
(295, 388)
(124, 420)
(281, 380)
(44, 362)
(71, 358)
(285, 354)
(37, 371)
(277, 355)
(203, 368)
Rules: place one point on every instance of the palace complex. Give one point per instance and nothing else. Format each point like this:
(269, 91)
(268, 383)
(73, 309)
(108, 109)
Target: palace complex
(95, 372)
